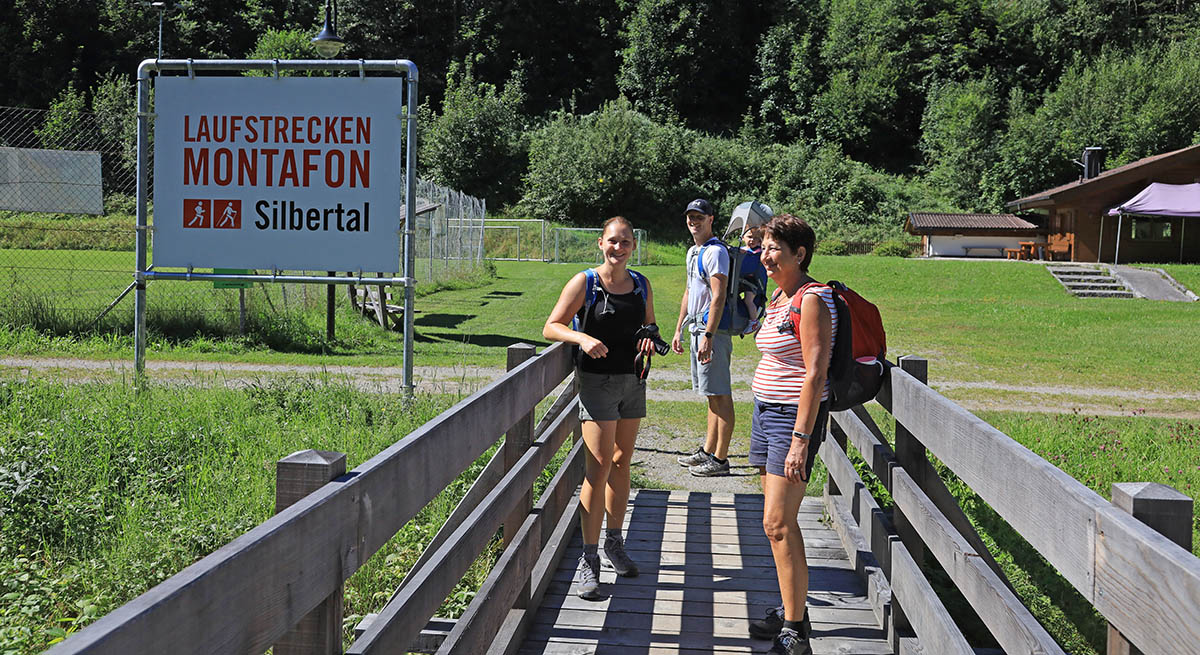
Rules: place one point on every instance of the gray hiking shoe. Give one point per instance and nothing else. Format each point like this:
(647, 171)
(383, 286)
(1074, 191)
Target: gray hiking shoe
(587, 574)
(710, 468)
(770, 625)
(695, 459)
(614, 550)
(790, 642)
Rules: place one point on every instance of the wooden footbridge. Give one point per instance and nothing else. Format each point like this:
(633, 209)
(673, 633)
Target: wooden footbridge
(706, 564)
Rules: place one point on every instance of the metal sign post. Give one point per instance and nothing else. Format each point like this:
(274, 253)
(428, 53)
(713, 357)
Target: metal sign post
(277, 173)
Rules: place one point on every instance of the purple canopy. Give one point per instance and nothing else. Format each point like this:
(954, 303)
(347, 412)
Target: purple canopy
(1161, 199)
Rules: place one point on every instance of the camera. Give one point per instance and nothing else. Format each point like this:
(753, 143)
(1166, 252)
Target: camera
(651, 332)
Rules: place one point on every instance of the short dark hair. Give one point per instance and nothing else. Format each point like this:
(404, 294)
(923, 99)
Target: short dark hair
(794, 232)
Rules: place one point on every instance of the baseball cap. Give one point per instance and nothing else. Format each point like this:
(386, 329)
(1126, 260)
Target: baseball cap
(699, 205)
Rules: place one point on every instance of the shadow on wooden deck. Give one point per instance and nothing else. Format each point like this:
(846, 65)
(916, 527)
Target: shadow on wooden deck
(706, 570)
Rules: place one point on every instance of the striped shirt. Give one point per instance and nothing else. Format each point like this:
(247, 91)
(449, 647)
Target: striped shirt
(780, 373)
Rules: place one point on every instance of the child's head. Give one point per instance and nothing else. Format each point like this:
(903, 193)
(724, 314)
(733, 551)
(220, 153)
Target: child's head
(752, 238)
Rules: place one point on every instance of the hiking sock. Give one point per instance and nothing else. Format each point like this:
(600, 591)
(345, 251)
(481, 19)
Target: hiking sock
(591, 550)
(793, 625)
(613, 534)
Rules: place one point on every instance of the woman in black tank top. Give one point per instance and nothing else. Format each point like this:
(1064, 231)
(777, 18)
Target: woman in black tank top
(612, 398)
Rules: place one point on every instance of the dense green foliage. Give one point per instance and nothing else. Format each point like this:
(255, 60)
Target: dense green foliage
(902, 104)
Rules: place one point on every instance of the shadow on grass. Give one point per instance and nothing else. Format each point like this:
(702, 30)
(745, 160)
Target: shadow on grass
(448, 321)
(487, 340)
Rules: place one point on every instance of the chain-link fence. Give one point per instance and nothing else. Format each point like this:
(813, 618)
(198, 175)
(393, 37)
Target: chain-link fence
(62, 271)
(530, 239)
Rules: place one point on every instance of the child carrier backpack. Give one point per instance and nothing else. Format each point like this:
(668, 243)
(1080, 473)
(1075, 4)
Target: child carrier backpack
(857, 364)
(746, 275)
(592, 289)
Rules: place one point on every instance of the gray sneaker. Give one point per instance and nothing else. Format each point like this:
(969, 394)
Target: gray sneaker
(695, 459)
(710, 468)
(587, 574)
(614, 550)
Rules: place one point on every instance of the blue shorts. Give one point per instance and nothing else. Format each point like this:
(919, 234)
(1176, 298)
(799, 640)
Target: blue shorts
(771, 435)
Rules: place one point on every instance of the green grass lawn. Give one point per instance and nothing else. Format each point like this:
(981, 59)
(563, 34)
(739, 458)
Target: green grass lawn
(990, 321)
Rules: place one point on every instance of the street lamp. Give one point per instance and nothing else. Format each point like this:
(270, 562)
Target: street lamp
(162, 8)
(327, 42)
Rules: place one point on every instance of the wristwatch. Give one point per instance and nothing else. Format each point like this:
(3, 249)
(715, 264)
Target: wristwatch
(707, 335)
(801, 435)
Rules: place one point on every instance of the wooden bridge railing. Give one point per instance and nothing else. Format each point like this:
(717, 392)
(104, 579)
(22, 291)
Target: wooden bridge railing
(253, 592)
(1146, 585)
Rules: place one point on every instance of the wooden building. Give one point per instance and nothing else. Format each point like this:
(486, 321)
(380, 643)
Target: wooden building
(1077, 225)
(971, 235)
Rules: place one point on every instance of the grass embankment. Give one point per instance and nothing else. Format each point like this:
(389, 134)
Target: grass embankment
(105, 492)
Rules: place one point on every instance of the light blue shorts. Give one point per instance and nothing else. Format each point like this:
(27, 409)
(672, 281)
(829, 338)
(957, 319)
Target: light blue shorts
(712, 379)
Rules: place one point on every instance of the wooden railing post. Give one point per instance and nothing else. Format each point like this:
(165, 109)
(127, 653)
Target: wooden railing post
(296, 476)
(516, 442)
(913, 458)
(1167, 512)
(839, 437)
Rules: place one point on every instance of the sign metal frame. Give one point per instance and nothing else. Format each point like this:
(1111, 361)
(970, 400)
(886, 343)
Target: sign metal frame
(143, 273)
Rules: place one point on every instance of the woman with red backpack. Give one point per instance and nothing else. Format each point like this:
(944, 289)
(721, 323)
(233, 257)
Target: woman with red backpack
(790, 412)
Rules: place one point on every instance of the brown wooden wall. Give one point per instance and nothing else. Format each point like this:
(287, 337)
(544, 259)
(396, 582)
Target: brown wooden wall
(1076, 223)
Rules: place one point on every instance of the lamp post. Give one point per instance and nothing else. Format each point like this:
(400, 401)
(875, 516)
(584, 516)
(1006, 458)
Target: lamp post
(327, 42)
(161, 7)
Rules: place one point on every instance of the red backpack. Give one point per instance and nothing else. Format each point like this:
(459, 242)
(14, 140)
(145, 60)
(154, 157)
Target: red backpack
(856, 367)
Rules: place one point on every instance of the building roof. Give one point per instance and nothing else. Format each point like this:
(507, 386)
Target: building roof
(923, 222)
(1118, 175)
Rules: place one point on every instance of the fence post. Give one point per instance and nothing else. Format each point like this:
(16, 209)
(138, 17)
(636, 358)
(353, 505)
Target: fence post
(1163, 509)
(912, 457)
(839, 437)
(296, 476)
(516, 442)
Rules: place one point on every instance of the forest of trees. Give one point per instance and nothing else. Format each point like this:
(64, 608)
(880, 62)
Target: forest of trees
(848, 112)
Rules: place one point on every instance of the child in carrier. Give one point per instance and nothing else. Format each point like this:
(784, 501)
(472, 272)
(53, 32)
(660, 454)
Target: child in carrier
(752, 244)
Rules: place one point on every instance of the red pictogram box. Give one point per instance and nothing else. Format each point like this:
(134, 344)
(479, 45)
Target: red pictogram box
(197, 213)
(228, 214)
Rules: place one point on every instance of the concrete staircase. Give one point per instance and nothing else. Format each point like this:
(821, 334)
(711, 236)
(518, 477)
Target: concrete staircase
(1090, 281)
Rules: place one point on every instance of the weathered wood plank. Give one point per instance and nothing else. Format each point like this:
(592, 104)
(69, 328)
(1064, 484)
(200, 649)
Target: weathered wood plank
(923, 609)
(402, 618)
(1147, 586)
(1052, 511)
(561, 507)
(861, 429)
(879, 592)
(501, 589)
(1010, 622)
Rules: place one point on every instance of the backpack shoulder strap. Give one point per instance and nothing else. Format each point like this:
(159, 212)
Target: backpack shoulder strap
(700, 256)
(591, 280)
(639, 282)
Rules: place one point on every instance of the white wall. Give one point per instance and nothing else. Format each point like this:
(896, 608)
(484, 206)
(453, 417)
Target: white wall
(952, 246)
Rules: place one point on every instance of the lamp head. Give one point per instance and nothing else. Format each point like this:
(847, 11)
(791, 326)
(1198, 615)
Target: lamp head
(327, 42)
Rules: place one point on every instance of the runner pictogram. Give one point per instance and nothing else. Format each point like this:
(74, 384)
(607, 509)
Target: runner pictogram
(197, 213)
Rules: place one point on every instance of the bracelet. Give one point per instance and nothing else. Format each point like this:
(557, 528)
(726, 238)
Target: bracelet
(801, 435)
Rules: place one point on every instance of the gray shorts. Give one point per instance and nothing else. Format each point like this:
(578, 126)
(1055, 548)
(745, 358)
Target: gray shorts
(610, 397)
(712, 379)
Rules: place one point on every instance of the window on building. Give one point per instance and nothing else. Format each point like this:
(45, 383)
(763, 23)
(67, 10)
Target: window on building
(1151, 229)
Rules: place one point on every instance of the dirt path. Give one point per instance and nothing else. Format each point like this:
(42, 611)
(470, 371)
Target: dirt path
(664, 384)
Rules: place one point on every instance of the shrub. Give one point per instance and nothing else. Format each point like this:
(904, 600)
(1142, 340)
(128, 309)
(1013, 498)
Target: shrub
(477, 145)
(835, 247)
(893, 248)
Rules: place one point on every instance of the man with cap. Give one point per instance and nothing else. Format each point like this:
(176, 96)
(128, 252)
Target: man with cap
(707, 274)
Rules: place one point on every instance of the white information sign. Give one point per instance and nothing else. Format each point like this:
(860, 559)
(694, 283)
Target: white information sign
(291, 173)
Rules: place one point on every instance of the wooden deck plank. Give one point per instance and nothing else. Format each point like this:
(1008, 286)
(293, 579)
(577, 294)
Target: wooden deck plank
(706, 570)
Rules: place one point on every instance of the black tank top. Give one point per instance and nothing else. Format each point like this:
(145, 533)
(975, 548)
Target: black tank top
(614, 320)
